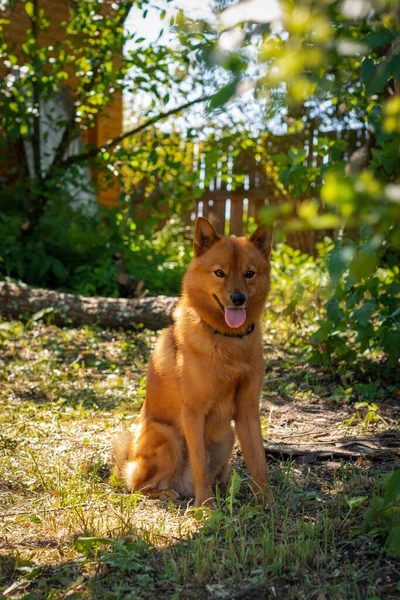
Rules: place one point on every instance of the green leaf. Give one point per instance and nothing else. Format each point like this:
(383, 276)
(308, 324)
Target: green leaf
(297, 156)
(367, 69)
(284, 178)
(223, 95)
(85, 544)
(377, 39)
(280, 159)
(339, 260)
(234, 486)
(363, 265)
(339, 190)
(307, 495)
(393, 541)
(364, 335)
(35, 519)
(381, 75)
(364, 313)
(392, 491)
(395, 66)
(39, 315)
(353, 299)
(30, 9)
(391, 344)
(355, 501)
(335, 313)
(144, 580)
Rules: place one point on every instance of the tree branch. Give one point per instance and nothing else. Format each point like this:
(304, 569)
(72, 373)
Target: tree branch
(78, 158)
(36, 142)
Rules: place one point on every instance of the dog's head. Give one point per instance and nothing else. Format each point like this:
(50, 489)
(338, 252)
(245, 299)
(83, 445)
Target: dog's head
(228, 279)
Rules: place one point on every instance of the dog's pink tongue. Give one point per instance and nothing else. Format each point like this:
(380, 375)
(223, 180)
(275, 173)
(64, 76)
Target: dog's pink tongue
(235, 317)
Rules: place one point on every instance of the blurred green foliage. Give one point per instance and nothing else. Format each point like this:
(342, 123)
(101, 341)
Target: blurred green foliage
(363, 312)
(299, 280)
(334, 65)
(382, 518)
(71, 250)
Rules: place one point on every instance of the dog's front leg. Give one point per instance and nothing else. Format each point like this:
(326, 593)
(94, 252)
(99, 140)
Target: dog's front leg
(193, 421)
(248, 430)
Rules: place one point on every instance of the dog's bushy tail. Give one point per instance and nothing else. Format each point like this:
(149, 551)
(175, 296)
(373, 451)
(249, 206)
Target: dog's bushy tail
(121, 444)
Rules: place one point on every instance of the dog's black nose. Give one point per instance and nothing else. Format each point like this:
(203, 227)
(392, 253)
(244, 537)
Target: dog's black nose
(238, 299)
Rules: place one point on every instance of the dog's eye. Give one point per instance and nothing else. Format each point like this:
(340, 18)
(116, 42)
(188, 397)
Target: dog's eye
(249, 274)
(219, 273)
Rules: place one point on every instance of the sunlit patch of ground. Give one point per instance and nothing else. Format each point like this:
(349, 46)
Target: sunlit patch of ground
(69, 531)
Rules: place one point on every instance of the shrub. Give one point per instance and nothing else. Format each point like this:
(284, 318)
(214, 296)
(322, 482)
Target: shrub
(362, 316)
(72, 250)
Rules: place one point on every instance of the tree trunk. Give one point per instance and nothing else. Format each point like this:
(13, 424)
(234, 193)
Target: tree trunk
(68, 309)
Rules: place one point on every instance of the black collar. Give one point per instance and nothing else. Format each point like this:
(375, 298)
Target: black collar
(249, 330)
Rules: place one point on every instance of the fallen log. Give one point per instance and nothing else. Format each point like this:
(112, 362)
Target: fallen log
(310, 452)
(68, 309)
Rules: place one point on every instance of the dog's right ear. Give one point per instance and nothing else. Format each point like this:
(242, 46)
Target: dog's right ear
(204, 237)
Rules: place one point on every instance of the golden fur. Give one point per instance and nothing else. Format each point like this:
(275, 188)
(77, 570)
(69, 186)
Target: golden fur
(200, 380)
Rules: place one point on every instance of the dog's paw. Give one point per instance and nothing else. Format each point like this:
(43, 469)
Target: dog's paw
(162, 494)
(169, 495)
(206, 502)
(263, 495)
(269, 498)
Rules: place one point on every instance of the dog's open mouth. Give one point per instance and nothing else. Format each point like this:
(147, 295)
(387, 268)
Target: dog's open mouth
(235, 317)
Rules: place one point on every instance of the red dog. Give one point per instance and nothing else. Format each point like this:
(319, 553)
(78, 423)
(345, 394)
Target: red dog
(206, 371)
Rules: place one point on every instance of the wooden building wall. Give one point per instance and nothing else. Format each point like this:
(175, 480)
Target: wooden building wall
(108, 124)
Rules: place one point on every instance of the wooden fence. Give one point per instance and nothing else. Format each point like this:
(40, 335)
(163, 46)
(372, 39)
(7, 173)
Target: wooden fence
(229, 207)
(236, 186)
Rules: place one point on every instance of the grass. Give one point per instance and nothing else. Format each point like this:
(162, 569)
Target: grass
(68, 530)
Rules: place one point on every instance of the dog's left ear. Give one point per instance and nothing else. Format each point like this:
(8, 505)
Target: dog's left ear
(204, 237)
(262, 239)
